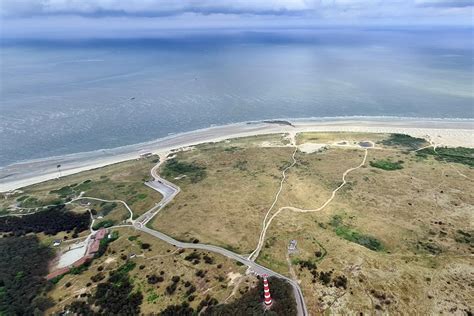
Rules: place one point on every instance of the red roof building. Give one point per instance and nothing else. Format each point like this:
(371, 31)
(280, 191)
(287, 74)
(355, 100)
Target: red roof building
(100, 234)
(94, 247)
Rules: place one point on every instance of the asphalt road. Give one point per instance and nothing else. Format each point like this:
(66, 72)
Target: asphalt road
(255, 268)
(169, 191)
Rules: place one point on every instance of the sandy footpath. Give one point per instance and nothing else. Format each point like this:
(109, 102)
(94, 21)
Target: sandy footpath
(441, 132)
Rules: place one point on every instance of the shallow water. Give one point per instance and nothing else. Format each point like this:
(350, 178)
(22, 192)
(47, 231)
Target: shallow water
(60, 97)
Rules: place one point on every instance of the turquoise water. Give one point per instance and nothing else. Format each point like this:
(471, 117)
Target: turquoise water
(60, 97)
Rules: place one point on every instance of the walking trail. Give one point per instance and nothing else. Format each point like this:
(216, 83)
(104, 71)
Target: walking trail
(266, 223)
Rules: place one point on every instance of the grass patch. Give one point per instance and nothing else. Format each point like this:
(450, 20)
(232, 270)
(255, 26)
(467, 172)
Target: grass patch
(353, 235)
(460, 155)
(404, 141)
(104, 243)
(105, 224)
(387, 165)
(106, 208)
(152, 297)
(175, 168)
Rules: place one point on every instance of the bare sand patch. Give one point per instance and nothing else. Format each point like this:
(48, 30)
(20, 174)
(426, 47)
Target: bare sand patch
(310, 148)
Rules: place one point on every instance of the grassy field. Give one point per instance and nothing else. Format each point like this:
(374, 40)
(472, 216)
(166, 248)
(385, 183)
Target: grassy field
(402, 238)
(119, 181)
(226, 205)
(338, 137)
(152, 256)
(392, 240)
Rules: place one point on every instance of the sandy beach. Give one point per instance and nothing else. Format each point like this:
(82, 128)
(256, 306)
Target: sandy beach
(440, 132)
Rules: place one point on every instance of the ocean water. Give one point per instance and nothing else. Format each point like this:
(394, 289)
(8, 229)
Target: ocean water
(60, 96)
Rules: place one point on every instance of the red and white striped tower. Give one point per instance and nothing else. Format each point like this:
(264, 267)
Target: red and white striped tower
(266, 292)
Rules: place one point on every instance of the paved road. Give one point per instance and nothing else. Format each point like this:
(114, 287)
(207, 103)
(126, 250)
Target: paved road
(254, 267)
(169, 191)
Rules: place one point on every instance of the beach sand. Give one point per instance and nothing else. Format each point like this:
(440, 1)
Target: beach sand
(440, 132)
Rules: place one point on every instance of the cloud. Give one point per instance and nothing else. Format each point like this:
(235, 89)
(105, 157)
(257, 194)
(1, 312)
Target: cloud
(153, 7)
(445, 3)
(99, 18)
(149, 8)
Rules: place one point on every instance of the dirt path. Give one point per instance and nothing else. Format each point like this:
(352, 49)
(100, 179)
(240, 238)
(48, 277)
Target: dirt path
(283, 178)
(254, 255)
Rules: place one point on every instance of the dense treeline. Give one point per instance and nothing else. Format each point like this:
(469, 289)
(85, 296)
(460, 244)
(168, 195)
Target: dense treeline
(251, 303)
(23, 266)
(51, 221)
(116, 296)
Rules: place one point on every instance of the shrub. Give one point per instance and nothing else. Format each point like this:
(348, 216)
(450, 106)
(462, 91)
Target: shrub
(387, 165)
(404, 141)
(460, 155)
(174, 168)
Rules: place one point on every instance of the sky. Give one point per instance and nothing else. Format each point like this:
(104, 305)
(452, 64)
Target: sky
(112, 18)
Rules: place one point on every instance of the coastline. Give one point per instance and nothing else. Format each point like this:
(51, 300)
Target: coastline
(442, 132)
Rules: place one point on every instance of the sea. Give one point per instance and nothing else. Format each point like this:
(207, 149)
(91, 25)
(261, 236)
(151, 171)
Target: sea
(62, 96)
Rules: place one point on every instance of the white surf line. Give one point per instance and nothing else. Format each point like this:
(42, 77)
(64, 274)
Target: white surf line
(256, 252)
(276, 196)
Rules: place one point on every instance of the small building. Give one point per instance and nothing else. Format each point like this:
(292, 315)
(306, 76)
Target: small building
(292, 245)
(56, 242)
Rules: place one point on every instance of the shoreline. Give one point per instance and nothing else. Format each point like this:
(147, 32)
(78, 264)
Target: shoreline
(442, 132)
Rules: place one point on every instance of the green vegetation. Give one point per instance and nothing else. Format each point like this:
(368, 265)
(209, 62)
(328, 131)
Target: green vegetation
(387, 165)
(126, 268)
(30, 202)
(175, 168)
(80, 269)
(107, 207)
(460, 155)
(404, 141)
(116, 296)
(353, 235)
(71, 190)
(105, 224)
(464, 237)
(152, 297)
(251, 302)
(142, 196)
(23, 266)
(52, 221)
(104, 243)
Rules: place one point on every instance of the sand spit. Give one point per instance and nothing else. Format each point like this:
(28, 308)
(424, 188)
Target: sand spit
(441, 132)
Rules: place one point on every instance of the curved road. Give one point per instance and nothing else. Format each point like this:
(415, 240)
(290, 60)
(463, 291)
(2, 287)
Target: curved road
(169, 191)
